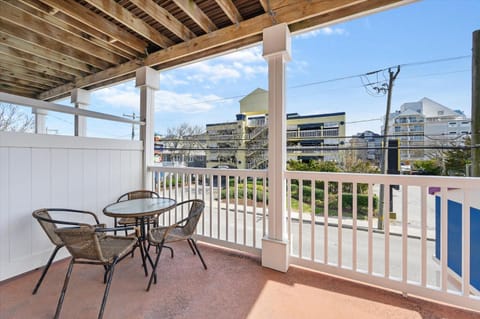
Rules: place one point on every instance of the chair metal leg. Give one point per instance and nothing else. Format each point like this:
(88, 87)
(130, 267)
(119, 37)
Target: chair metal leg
(47, 266)
(198, 252)
(64, 289)
(107, 288)
(154, 270)
(171, 250)
(191, 247)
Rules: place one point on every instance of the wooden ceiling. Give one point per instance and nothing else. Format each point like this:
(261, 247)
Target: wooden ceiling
(49, 47)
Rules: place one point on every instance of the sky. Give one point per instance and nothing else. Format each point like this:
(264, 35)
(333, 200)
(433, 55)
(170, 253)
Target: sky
(431, 40)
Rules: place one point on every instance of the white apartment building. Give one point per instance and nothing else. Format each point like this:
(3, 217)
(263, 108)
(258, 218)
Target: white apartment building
(421, 126)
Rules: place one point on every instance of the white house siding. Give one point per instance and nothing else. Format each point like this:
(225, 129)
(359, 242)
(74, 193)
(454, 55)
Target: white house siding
(39, 171)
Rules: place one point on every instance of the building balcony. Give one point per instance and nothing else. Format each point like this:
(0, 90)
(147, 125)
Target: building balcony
(343, 238)
(235, 286)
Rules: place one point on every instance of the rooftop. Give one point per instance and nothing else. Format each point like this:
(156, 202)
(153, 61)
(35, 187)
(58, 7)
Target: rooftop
(234, 286)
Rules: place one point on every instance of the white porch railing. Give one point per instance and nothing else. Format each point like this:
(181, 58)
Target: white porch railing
(233, 221)
(343, 238)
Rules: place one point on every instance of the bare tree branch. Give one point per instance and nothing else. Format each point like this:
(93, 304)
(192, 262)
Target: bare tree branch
(14, 120)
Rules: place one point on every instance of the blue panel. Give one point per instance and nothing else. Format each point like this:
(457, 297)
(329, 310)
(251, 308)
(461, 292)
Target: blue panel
(455, 236)
(437, 226)
(475, 247)
(455, 239)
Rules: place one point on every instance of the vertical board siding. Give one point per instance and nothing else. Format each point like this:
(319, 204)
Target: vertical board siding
(48, 171)
(4, 194)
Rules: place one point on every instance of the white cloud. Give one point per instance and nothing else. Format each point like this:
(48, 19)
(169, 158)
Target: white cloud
(323, 31)
(169, 79)
(231, 67)
(168, 101)
(123, 95)
(250, 55)
(207, 71)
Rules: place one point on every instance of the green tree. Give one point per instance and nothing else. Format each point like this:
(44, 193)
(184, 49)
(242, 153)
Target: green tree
(457, 158)
(428, 167)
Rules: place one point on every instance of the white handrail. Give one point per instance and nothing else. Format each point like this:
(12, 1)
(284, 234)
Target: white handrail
(39, 104)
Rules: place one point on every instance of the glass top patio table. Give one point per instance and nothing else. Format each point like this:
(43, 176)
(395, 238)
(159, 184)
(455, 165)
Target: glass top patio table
(141, 207)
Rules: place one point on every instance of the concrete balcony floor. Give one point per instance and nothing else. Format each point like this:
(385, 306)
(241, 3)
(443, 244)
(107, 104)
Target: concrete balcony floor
(234, 286)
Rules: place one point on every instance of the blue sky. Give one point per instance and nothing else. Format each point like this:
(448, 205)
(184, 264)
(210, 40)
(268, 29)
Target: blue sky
(209, 91)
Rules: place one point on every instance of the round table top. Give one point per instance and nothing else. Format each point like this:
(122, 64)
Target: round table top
(139, 207)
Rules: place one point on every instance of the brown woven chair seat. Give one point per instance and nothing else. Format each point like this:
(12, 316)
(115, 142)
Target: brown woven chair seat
(181, 230)
(156, 235)
(49, 225)
(89, 245)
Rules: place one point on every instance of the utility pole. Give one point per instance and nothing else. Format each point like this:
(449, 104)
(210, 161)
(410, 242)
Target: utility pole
(476, 104)
(133, 117)
(392, 75)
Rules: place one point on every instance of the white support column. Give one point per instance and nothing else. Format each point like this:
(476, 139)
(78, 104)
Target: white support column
(40, 116)
(148, 80)
(81, 99)
(276, 50)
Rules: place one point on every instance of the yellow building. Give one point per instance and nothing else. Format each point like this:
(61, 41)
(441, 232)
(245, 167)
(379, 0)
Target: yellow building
(243, 143)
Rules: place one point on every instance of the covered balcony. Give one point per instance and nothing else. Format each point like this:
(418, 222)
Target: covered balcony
(278, 243)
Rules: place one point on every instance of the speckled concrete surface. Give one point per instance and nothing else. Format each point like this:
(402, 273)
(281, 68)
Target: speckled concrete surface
(234, 286)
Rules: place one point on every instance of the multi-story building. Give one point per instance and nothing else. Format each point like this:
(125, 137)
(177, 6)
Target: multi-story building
(421, 126)
(243, 143)
(366, 146)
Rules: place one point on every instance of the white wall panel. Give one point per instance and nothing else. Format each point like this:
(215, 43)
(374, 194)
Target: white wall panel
(4, 193)
(89, 185)
(59, 178)
(50, 171)
(20, 225)
(104, 194)
(75, 178)
(40, 196)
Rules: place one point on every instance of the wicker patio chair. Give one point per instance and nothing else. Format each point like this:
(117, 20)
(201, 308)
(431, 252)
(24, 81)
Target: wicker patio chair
(90, 245)
(182, 230)
(135, 195)
(49, 225)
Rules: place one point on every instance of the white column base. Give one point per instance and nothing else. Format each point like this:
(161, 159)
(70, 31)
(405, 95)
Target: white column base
(275, 254)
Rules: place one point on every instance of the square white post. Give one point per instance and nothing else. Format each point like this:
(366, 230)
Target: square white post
(148, 80)
(276, 50)
(40, 115)
(81, 99)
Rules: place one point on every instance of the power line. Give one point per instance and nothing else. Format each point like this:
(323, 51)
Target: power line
(360, 75)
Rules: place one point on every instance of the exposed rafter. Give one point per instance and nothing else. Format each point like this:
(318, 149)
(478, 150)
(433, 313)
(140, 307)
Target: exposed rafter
(196, 14)
(125, 17)
(230, 10)
(87, 16)
(164, 17)
(49, 47)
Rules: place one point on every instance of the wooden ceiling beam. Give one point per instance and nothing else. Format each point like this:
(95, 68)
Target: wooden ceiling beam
(230, 10)
(5, 55)
(196, 14)
(122, 15)
(22, 82)
(293, 12)
(48, 43)
(44, 53)
(119, 71)
(265, 5)
(165, 18)
(35, 24)
(80, 30)
(101, 24)
(363, 8)
(17, 70)
(14, 89)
